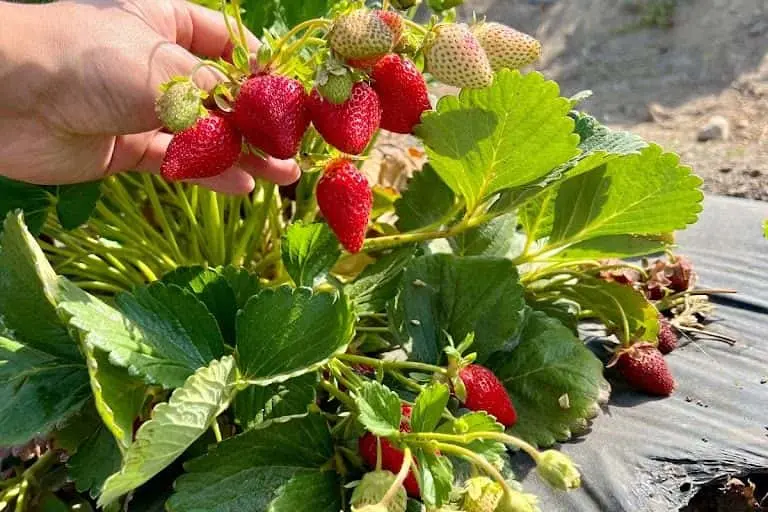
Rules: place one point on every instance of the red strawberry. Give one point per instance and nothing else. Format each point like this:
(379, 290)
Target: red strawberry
(644, 368)
(271, 112)
(345, 199)
(667, 337)
(402, 91)
(485, 392)
(207, 148)
(348, 126)
(391, 457)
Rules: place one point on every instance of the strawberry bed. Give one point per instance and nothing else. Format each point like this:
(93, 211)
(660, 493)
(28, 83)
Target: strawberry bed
(341, 347)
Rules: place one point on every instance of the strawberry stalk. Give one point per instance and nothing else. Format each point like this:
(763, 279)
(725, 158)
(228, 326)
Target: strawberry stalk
(477, 460)
(401, 475)
(391, 365)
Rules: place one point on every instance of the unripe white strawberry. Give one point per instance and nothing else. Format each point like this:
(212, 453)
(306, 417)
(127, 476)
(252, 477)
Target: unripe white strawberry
(180, 104)
(361, 34)
(455, 57)
(372, 489)
(481, 494)
(505, 46)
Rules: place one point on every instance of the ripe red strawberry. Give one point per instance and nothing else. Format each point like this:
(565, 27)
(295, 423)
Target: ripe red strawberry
(505, 46)
(348, 126)
(205, 149)
(391, 457)
(363, 34)
(345, 200)
(402, 91)
(485, 392)
(455, 57)
(667, 337)
(644, 368)
(271, 112)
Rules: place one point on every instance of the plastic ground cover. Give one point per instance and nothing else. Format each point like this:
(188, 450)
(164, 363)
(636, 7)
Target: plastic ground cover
(651, 455)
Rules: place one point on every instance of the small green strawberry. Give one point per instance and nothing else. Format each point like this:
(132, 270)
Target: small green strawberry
(334, 81)
(455, 57)
(372, 489)
(481, 494)
(517, 501)
(505, 46)
(180, 104)
(558, 470)
(361, 34)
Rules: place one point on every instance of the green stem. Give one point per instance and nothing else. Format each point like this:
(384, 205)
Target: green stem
(473, 436)
(253, 227)
(405, 468)
(339, 395)
(478, 461)
(406, 365)
(389, 242)
(415, 26)
(159, 212)
(216, 430)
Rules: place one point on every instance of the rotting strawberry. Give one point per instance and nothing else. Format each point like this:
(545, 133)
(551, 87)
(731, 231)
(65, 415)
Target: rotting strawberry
(485, 392)
(345, 200)
(402, 91)
(349, 126)
(363, 34)
(505, 46)
(455, 57)
(391, 456)
(207, 148)
(272, 114)
(681, 274)
(667, 338)
(643, 367)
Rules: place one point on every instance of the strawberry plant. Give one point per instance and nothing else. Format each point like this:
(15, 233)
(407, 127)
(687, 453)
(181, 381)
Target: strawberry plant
(337, 346)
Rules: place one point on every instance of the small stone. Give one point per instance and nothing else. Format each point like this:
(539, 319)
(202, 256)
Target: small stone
(754, 173)
(717, 128)
(706, 440)
(764, 380)
(657, 113)
(743, 123)
(725, 170)
(688, 399)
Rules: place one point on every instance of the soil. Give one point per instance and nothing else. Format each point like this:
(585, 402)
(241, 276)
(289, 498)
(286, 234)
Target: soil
(662, 68)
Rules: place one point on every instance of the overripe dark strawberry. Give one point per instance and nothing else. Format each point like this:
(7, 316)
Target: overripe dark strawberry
(618, 272)
(391, 456)
(485, 392)
(271, 112)
(681, 274)
(644, 368)
(667, 337)
(402, 92)
(505, 46)
(455, 57)
(362, 34)
(207, 148)
(345, 200)
(348, 126)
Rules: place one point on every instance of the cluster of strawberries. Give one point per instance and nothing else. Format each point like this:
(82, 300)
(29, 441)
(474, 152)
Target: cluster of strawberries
(368, 83)
(483, 392)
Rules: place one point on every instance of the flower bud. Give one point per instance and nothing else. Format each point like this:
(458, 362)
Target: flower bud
(558, 470)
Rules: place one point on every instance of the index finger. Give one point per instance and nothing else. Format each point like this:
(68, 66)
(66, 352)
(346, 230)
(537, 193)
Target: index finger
(203, 32)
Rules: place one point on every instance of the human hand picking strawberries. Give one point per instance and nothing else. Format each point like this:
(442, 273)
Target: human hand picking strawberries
(79, 103)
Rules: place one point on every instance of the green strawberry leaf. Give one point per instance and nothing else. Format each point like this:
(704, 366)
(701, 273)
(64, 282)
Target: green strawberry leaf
(380, 410)
(276, 466)
(28, 294)
(550, 362)
(497, 237)
(505, 136)
(118, 395)
(34, 200)
(38, 391)
(75, 203)
(96, 458)
(213, 290)
(309, 251)
(479, 421)
(445, 293)
(538, 215)
(642, 194)
(613, 303)
(174, 426)
(612, 246)
(378, 283)
(435, 474)
(284, 333)
(243, 283)
(257, 404)
(426, 201)
(429, 407)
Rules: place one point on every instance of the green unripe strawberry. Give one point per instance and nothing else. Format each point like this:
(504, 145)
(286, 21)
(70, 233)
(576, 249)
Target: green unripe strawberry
(361, 34)
(517, 501)
(336, 88)
(481, 494)
(372, 489)
(558, 470)
(180, 105)
(455, 57)
(505, 46)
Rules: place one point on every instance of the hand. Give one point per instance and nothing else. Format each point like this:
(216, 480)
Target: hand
(78, 82)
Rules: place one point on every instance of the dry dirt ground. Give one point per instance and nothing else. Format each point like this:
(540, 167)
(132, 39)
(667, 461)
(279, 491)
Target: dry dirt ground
(663, 68)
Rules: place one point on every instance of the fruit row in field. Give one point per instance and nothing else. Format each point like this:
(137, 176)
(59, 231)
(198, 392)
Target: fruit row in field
(369, 81)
